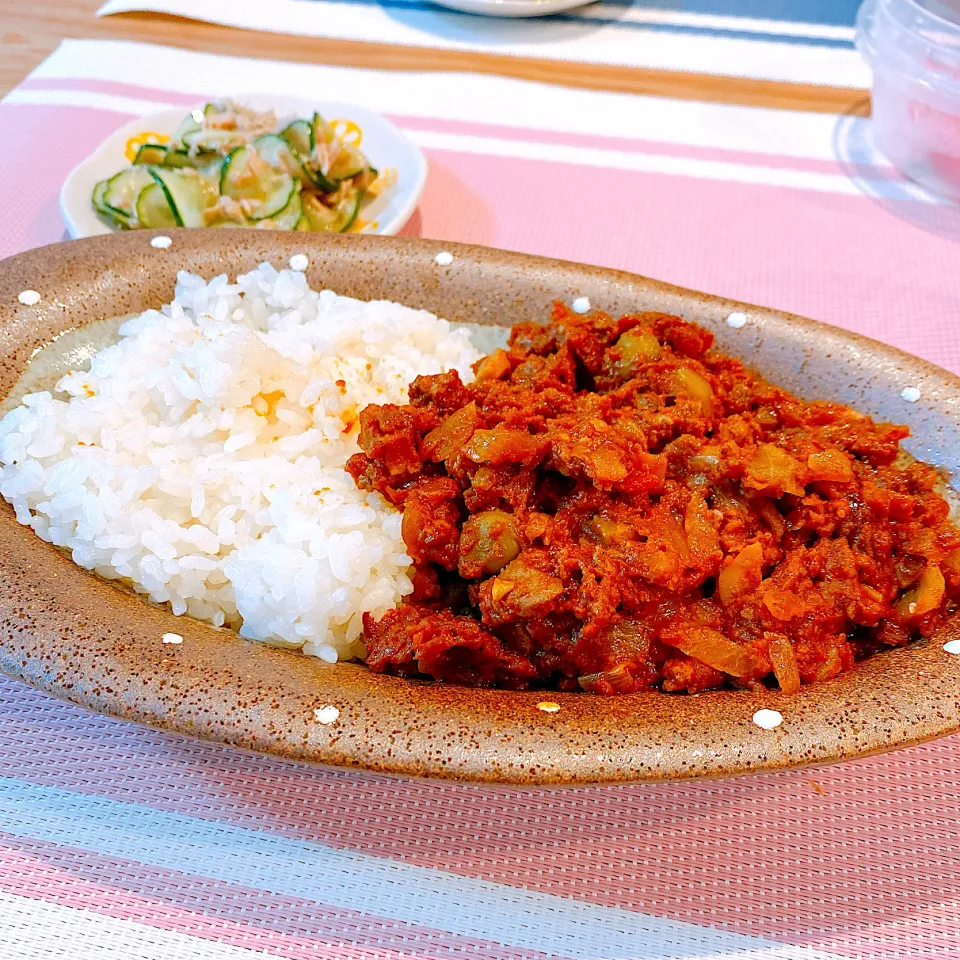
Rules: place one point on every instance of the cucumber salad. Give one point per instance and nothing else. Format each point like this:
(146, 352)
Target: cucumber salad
(227, 165)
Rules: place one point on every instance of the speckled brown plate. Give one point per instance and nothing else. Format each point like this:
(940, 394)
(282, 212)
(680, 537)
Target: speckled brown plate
(76, 636)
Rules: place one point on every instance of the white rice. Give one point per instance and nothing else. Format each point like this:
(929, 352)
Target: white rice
(200, 458)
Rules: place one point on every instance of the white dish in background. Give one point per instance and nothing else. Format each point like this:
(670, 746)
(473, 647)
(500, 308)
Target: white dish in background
(512, 8)
(384, 145)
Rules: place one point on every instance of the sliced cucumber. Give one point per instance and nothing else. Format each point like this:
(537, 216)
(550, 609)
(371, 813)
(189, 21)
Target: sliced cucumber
(315, 177)
(248, 176)
(177, 158)
(188, 128)
(150, 153)
(363, 181)
(366, 179)
(322, 131)
(197, 140)
(323, 219)
(319, 217)
(112, 217)
(235, 179)
(289, 216)
(347, 163)
(123, 189)
(188, 194)
(280, 204)
(117, 220)
(348, 209)
(153, 208)
(299, 136)
(99, 196)
(211, 172)
(276, 151)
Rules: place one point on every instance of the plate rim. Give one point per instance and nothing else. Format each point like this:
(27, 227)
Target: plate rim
(78, 637)
(72, 206)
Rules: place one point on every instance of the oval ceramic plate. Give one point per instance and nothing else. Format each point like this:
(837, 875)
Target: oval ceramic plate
(78, 637)
(385, 146)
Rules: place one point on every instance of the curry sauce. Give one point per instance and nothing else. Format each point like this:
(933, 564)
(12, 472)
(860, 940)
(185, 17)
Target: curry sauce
(614, 506)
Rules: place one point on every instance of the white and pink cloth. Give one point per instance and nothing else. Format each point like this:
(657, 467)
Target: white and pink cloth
(120, 842)
(793, 41)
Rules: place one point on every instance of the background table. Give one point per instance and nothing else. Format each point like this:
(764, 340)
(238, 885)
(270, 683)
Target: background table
(122, 843)
(32, 30)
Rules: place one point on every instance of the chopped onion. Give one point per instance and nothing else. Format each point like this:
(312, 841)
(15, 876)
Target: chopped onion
(742, 576)
(619, 678)
(784, 662)
(926, 596)
(710, 647)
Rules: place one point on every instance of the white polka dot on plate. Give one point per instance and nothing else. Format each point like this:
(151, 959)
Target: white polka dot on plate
(174, 638)
(299, 262)
(326, 715)
(768, 719)
(910, 394)
(160, 243)
(737, 320)
(29, 298)
(581, 305)
(952, 646)
(444, 258)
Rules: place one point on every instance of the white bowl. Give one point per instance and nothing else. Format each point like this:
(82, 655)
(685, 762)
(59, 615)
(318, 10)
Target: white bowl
(512, 8)
(383, 143)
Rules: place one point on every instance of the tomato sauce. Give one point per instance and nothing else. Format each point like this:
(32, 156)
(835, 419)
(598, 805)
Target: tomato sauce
(614, 506)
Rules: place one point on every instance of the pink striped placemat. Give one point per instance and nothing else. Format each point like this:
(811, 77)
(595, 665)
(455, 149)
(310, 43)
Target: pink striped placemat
(126, 843)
